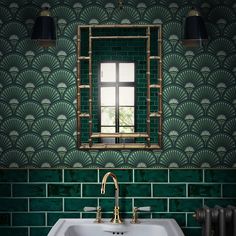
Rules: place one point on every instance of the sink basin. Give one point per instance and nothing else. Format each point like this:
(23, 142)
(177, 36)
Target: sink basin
(87, 227)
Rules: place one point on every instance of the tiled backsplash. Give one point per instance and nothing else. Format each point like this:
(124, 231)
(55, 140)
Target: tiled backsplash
(31, 200)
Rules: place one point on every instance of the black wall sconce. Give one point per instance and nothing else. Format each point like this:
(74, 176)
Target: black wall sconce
(44, 30)
(195, 32)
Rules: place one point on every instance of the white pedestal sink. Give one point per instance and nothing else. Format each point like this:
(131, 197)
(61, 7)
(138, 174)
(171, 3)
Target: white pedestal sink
(87, 227)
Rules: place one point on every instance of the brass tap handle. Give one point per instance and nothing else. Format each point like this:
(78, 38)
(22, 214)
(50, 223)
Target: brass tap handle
(135, 216)
(98, 213)
(135, 213)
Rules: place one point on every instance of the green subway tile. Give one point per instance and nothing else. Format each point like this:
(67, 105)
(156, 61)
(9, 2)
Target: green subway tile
(13, 175)
(179, 217)
(229, 190)
(46, 204)
(155, 204)
(5, 190)
(16, 231)
(169, 190)
(204, 190)
(52, 218)
(45, 175)
(220, 201)
(90, 215)
(122, 175)
(192, 222)
(150, 175)
(64, 190)
(220, 176)
(184, 205)
(28, 219)
(39, 231)
(135, 190)
(192, 231)
(10, 204)
(78, 204)
(186, 175)
(71, 175)
(5, 219)
(94, 190)
(108, 204)
(29, 190)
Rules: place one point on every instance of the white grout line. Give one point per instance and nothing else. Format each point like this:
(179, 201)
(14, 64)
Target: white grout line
(133, 175)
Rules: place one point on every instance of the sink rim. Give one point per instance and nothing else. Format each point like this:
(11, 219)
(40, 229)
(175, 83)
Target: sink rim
(62, 225)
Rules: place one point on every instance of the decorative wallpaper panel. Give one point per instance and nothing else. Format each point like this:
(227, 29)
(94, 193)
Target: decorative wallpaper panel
(38, 86)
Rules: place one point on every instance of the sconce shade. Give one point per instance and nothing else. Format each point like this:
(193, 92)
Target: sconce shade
(195, 32)
(44, 30)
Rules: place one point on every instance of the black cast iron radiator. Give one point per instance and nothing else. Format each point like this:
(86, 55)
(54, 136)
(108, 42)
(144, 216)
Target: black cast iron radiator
(217, 221)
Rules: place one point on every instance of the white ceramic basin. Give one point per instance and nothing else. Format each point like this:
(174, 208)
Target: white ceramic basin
(87, 227)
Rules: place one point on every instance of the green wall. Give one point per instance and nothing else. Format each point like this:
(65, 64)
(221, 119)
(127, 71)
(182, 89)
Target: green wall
(38, 87)
(38, 119)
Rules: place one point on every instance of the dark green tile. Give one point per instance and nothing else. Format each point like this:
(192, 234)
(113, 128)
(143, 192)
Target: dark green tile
(18, 231)
(186, 175)
(5, 219)
(220, 176)
(150, 175)
(10, 204)
(71, 175)
(135, 190)
(45, 175)
(13, 175)
(192, 231)
(52, 218)
(184, 205)
(179, 217)
(204, 190)
(46, 204)
(229, 190)
(5, 190)
(192, 222)
(29, 190)
(122, 175)
(220, 201)
(155, 204)
(64, 190)
(78, 204)
(108, 204)
(169, 190)
(39, 231)
(28, 219)
(94, 190)
(90, 215)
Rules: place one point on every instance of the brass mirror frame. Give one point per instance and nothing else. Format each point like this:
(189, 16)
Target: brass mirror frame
(158, 86)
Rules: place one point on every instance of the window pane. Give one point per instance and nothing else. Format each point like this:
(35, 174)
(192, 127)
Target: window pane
(126, 116)
(107, 116)
(108, 129)
(108, 72)
(126, 129)
(108, 97)
(126, 96)
(126, 72)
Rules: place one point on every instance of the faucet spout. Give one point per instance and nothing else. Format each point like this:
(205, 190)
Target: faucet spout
(116, 218)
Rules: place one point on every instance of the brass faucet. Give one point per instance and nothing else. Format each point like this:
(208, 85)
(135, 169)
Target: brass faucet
(116, 217)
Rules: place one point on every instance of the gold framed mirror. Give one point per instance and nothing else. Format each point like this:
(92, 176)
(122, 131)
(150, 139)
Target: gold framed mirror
(119, 86)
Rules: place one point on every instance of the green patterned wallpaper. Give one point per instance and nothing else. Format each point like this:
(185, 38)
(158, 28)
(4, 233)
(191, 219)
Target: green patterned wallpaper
(38, 86)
